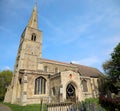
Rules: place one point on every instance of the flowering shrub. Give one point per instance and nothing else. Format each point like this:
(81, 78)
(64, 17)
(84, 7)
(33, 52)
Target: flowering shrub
(109, 102)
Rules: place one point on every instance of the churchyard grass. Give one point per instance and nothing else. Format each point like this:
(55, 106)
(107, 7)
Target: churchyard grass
(91, 104)
(33, 107)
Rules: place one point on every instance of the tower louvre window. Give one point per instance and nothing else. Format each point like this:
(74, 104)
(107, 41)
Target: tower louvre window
(33, 37)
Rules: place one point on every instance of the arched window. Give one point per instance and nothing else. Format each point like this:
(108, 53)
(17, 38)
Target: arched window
(40, 85)
(45, 68)
(33, 37)
(85, 88)
(56, 70)
(70, 91)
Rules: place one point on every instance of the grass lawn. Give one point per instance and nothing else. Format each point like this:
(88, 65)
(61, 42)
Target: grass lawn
(33, 107)
(36, 107)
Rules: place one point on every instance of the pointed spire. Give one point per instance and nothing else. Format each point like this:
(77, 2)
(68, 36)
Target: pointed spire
(33, 22)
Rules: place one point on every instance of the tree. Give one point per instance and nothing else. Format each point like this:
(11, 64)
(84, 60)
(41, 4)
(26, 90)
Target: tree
(112, 66)
(112, 69)
(5, 79)
(108, 66)
(116, 62)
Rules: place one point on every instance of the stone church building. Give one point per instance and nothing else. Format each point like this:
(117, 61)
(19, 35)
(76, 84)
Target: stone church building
(35, 78)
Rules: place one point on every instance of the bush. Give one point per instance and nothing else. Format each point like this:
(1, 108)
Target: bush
(109, 103)
(5, 79)
(92, 100)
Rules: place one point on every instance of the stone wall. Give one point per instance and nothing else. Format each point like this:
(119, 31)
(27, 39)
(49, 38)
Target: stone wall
(55, 82)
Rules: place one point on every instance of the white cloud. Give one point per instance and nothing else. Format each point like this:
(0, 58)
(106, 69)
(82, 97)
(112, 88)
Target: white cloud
(90, 61)
(6, 68)
(83, 25)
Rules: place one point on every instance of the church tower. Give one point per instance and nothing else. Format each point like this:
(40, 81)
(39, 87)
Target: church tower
(30, 49)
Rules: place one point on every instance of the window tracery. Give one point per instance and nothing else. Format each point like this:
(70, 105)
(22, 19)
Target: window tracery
(40, 85)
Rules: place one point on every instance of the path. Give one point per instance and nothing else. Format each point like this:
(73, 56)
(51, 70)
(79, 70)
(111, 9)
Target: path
(4, 108)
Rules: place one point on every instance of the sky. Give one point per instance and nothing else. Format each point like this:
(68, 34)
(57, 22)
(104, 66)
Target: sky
(79, 31)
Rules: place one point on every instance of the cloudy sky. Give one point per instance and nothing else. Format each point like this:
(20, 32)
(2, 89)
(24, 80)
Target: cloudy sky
(81, 31)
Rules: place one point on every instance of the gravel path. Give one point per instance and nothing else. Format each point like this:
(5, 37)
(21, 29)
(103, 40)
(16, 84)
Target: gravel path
(4, 108)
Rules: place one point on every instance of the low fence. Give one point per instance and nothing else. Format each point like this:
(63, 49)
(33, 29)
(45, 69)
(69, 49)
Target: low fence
(81, 106)
(59, 107)
(112, 104)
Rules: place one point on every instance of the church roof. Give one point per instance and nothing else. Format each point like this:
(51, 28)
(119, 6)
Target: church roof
(83, 70)
(54, 62)
(88, 71)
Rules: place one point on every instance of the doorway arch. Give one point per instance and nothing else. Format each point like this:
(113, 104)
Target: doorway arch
(70, 92)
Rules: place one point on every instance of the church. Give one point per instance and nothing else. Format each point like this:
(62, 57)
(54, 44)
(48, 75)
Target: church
(36, 78)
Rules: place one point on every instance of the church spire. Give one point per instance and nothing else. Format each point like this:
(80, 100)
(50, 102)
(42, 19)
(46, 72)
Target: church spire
(33, 22)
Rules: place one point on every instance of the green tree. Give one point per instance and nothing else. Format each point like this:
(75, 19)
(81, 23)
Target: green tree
(112, 66)
(5, 79)
(112, 69)
(116, 62)
(108, 68)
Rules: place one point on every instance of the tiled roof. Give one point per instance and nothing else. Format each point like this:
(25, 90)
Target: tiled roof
(83, 70)
(54, 62)
(88, 71)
